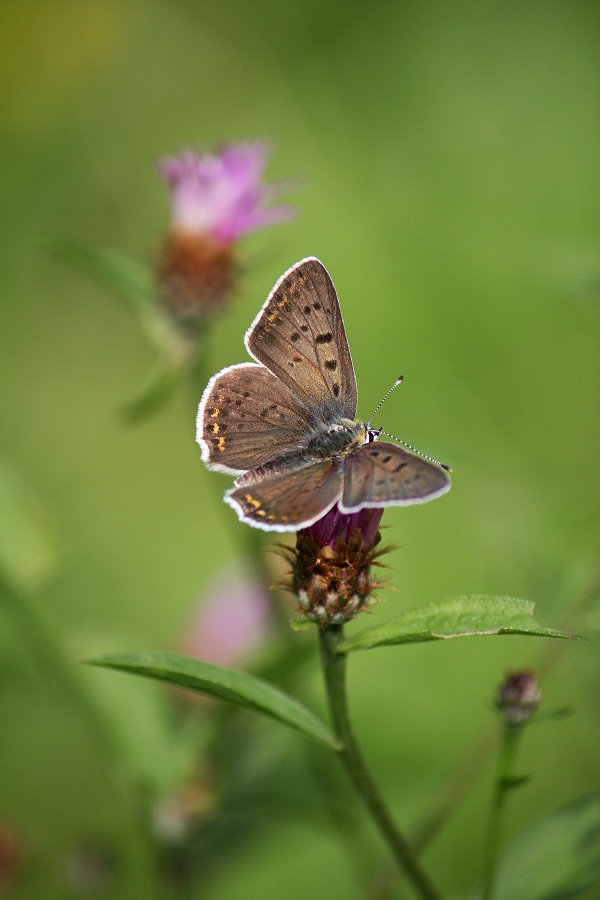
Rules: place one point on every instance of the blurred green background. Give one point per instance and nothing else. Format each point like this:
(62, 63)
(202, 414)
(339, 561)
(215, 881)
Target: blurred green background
(450, 157)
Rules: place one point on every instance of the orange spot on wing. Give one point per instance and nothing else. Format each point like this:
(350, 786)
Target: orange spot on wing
(221, 444)
(215, 428)
(215, 413)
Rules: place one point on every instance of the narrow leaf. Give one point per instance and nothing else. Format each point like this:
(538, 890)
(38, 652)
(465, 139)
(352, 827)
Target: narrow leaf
(153, 395)
(559, 856)
(226, 684)
(456, 617)
(124, 277)
(28, 546)
(509, 782)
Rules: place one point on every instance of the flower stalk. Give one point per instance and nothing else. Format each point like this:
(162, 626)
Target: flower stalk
(504, 783)
(517, 699)
(334, 670)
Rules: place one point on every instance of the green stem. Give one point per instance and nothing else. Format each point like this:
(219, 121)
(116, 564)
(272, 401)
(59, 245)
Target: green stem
(510, 740)
(334, 670)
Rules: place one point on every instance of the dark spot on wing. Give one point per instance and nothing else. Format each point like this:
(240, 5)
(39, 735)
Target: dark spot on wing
(317, 306)
(401, 466)
(375, 453)
(307, 310)
(386, 459)
(331, 364)
(304, 328)
(238, 402)
(297, 359)
(324, 338)
(336, 389)
(295, 337)
(246, 394)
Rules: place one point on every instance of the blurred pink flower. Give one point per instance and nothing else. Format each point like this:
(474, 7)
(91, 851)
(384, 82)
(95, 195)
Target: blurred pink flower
(222, 196)
(231, 621)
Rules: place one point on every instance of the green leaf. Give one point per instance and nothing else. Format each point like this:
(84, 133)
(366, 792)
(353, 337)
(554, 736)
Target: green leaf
(456, 617)
(124, 277)
(153, 395)
(226, 684)
(509, 782)
(28, 546)
(558, 856)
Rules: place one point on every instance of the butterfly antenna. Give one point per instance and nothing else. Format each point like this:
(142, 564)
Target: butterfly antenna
(398, 381)
(418, 452)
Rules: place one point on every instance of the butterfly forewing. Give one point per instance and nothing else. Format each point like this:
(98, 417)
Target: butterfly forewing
(294, 499)
(382, 474)
(299, 335)
(247, 417)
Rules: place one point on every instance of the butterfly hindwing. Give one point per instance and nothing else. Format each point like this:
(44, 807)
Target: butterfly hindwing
(299, 335)
(383, 474)
(246, 417)
(289, 500)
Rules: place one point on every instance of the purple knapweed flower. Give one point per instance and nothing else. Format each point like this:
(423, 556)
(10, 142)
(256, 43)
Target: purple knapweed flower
(336, 524)
(215, 200)
(331, 565)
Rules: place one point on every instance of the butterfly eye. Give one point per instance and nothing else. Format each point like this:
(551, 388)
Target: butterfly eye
(373, 434)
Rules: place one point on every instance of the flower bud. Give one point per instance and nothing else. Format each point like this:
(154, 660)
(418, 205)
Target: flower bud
(215, 200)
(518, 697)
(90, 868)
(175, 815)
(331, 565)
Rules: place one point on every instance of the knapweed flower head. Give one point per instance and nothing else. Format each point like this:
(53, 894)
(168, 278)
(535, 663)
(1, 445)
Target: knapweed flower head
(331, 565)
(518, 697)
(215, 200)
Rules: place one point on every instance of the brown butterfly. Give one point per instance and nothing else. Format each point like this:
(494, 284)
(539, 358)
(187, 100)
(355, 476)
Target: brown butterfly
(285, 424)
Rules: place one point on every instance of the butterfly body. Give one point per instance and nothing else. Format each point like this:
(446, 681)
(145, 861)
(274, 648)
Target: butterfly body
(336, 439)
(285, 425)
